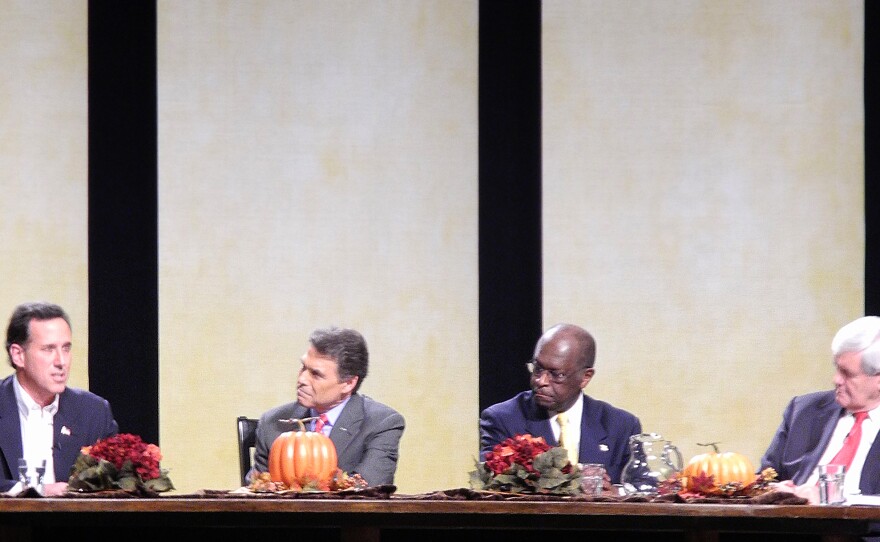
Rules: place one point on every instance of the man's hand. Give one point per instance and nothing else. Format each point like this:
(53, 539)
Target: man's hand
(805, 491)
(54, 489)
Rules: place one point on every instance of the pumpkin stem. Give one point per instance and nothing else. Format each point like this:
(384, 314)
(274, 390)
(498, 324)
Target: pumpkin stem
(714, 445)
(299, 421)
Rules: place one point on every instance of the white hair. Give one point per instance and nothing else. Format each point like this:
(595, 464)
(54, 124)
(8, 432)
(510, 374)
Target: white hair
(860, 335)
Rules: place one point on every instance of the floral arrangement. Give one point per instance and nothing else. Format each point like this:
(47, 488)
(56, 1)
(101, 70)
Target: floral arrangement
(703, 486)
(123, 461)
(527, 464)
(262, 483)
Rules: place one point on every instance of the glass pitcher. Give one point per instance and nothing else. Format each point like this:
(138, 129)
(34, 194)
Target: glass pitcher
(652, 460)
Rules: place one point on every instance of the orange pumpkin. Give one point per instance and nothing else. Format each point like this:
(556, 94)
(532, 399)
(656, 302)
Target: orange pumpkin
(725, 467)
(299, 458)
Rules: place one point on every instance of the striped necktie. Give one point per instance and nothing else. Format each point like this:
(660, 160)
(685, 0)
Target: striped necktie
(321, 422)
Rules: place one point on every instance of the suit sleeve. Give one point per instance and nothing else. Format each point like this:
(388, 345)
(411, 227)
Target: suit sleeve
(110, 427)
(492, 432)
(381, 450)
(618, 461)
(264, 442)
(773, 457)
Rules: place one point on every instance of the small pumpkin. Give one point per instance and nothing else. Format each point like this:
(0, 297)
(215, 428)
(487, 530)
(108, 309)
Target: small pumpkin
(724, 468)
(301, 458)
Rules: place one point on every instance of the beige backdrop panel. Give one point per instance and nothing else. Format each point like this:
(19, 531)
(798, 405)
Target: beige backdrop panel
(318, 165)
(44, 160)
(703, 193)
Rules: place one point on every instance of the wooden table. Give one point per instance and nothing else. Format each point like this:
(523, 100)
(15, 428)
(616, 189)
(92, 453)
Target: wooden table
(402, 519)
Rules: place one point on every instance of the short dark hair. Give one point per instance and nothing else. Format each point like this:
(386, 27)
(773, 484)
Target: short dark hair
(347, 347)
(18, 331)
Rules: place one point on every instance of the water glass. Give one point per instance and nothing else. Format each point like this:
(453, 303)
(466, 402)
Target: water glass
(592, 478)
(831, 478)
(30, 473)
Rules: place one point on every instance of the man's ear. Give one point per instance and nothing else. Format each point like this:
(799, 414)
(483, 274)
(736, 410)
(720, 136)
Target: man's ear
(16, 352)
(348, 385)
(588, 375)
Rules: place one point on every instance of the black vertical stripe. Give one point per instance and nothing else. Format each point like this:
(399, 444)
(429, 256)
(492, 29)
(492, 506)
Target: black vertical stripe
(123, 272)
(510, 194)
(872, 182)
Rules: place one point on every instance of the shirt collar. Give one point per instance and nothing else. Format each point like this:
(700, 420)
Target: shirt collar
(26, 403)
(333, 413)
(574, 413)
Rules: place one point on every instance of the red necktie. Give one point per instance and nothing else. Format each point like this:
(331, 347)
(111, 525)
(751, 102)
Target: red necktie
(321, 422)
(851, 442)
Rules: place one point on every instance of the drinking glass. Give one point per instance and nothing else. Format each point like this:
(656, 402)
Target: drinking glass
(831, 479)
(592, 478)
(30, 473)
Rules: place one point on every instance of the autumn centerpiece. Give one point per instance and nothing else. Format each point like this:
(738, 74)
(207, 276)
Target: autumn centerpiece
(121, 462)
(527, 464)
(304, 461)
(727, 474)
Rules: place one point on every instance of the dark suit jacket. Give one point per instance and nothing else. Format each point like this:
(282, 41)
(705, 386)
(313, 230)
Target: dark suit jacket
(86, 416)
(366, 435)
(807, 425)
(605, 430)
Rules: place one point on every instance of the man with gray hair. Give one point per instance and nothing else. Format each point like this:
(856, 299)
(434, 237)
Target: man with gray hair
(837, 426)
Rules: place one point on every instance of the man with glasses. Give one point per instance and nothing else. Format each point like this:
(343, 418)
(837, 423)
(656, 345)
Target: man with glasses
(557, 409)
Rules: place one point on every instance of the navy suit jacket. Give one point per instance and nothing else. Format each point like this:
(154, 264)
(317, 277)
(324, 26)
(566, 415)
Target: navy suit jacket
(366, 435)
(86, 417)
(605, 429)
(807, 425)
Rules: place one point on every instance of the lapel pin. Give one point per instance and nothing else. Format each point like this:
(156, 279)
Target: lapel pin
(603, 447)
(65, 430)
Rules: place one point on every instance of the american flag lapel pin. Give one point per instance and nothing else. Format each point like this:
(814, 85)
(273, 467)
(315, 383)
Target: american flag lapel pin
(603, 447)
(65, 430)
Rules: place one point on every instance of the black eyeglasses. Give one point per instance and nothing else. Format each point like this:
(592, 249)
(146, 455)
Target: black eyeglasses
(535, 368)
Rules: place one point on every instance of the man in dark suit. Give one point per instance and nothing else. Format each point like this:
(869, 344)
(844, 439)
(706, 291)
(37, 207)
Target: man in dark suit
(41, 418)
(561, 368)
(816, 426)
(366, 433)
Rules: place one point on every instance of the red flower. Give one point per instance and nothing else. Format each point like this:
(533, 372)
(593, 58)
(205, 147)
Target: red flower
(126, 447)
(519, 449)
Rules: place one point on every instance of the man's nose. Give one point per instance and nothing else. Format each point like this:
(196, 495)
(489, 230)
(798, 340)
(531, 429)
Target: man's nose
(61, 359)
(542, 376)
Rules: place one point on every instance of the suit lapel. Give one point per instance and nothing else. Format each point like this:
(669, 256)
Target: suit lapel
(348, 424)
(9, 425)
(537, 422)
(869, 483)
(593, 434)
(827, 413)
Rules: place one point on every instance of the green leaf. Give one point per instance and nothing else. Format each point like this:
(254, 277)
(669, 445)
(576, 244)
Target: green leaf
(160, 484)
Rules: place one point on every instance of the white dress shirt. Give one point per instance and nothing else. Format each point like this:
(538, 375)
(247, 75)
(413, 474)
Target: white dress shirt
(37, 430)
(870, 426)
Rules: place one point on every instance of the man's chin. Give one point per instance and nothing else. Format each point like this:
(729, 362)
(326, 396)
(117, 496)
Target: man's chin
(543, 401)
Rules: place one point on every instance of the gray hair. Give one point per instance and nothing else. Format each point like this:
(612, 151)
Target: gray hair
(860, 335)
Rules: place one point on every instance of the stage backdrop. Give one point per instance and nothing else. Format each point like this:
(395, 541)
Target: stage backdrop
(703, 195)
(317, 165)
(44, 161)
